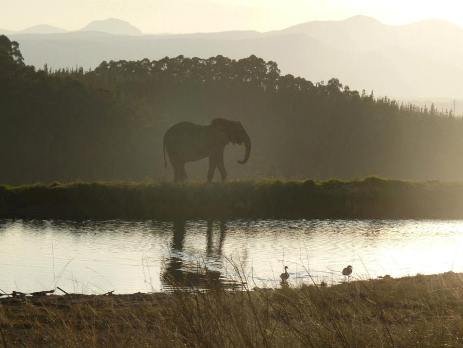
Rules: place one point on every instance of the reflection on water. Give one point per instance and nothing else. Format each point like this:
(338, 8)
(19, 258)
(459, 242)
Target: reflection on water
(96, 257)
(179, 273)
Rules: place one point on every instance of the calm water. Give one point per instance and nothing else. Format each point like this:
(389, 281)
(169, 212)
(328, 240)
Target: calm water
(96, 257)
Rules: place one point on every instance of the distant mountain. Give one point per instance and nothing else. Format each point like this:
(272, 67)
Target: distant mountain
(112, 26)
(422, 59)
(341, 34)
(419, 60)
(42, 29)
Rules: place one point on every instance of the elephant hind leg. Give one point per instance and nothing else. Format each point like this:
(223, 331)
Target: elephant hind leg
(179, 172)
(210, 172)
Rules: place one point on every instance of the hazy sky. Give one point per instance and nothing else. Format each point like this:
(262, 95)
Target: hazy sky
(154, 16)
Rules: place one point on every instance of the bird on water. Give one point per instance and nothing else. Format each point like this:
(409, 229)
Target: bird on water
(347, 271)
(285, 275)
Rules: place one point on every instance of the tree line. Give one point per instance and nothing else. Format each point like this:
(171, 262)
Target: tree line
(108, 123)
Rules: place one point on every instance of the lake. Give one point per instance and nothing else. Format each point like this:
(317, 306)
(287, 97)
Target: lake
(94, 257)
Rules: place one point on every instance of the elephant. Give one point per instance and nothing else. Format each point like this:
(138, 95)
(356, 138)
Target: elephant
(187, 142)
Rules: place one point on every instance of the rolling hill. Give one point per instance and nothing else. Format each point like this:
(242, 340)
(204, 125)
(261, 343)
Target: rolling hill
(418, 60)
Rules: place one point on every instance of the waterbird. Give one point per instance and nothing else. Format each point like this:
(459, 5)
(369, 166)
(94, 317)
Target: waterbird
(285, 275)
(347, 271)
(387, 276)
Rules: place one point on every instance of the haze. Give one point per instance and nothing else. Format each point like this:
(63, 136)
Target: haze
(186, 16)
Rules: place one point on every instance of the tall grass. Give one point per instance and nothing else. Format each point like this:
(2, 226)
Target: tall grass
(422, 311)
(368, 198)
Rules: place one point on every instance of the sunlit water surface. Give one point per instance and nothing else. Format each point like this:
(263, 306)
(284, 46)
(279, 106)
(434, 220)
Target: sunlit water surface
(96, 257)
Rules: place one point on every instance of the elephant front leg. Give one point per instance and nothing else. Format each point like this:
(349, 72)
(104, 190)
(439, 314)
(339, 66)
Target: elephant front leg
(221, 166)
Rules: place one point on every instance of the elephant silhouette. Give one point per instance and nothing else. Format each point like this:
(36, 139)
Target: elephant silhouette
(186, 142)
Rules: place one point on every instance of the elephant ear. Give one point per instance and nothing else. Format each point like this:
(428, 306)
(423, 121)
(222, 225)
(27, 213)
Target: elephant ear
(221, 124)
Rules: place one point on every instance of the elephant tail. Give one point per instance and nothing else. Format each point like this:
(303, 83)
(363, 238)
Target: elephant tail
(164, 150)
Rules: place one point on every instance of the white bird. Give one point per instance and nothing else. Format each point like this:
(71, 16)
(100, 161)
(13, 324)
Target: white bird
(285, 275)
(347, 271)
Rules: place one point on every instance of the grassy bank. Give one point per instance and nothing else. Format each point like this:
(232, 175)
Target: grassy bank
(369, 198)
(424, 311)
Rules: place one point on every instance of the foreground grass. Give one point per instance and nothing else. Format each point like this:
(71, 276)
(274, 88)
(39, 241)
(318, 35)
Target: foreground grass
(424, 311)
(369, 198)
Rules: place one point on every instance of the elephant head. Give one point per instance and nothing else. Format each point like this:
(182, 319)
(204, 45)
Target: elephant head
(235, 133)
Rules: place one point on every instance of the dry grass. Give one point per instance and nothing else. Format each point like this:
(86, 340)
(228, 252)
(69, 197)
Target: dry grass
(424, 311)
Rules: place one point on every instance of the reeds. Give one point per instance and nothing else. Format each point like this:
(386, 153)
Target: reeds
(424, 311)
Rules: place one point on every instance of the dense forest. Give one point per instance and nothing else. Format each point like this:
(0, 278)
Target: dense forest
(108, 123)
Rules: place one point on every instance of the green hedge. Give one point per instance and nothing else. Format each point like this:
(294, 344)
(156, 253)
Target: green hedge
(368, 198)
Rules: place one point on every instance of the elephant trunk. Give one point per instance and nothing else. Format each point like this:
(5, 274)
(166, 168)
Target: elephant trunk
(247, 145)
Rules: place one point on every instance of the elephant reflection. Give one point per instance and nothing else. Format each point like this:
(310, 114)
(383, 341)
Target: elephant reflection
(187, 142)
(178, 273)
(210, 250)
